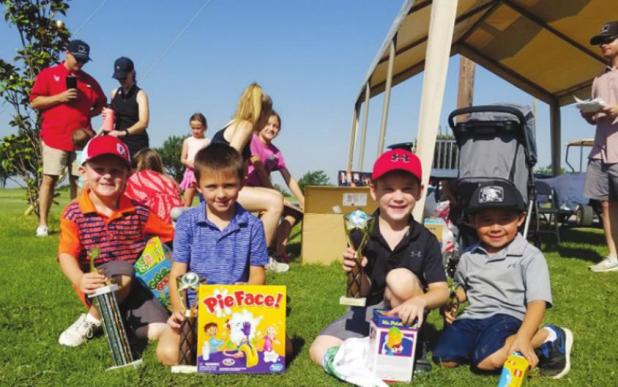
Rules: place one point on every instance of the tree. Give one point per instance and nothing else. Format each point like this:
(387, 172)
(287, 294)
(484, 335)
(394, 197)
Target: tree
(43, 39)
(547, 171)
(313, 178)
(170, 155)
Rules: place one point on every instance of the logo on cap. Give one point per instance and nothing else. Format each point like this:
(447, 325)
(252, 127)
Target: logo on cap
(121, 150)
(491, 194)
(400, 157)
(605, 28)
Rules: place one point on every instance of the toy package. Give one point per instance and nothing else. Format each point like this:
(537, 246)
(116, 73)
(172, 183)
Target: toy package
(241, 329)
(392, 347)
(514, 371)
(152, 269)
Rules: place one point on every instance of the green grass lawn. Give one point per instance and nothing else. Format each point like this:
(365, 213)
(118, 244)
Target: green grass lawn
(37, 303)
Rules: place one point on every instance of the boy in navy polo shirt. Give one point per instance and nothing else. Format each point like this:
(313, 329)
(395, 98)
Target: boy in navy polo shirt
(402, 264)
(506, 281)
(220, 241)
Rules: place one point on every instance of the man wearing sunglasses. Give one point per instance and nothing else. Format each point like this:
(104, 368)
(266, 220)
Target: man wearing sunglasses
(602, 174)
(67, 97)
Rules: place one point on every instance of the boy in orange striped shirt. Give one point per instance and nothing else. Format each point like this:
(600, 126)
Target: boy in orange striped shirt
(103, 218)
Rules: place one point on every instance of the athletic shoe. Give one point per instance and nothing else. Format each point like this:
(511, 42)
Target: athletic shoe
(605, 265)
(276, 267)
(555, 355)
(422, 364)
(79, 332)
(42, 230)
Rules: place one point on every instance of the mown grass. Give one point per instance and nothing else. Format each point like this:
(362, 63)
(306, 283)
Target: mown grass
(37, 303)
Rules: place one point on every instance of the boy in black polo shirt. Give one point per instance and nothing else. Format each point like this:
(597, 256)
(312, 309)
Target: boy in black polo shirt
(402, 263)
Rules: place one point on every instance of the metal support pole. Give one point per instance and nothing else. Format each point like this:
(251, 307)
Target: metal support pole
(440, 38)
(554, 119)
(361, 154)
(352, 143)
(387, 96)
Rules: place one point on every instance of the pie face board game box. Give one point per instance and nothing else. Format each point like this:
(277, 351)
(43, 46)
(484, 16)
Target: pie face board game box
(392, 346)
(241, 329)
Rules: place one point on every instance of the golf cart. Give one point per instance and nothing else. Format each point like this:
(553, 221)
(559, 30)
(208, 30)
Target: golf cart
(569, 188)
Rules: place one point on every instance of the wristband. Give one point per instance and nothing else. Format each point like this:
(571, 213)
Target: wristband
(126, 132)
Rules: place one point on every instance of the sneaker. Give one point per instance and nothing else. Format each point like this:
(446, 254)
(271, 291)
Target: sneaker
(42, 230)
(422, 364)
(79, 332)
(605, 265)
(276, 267)
(555, 355)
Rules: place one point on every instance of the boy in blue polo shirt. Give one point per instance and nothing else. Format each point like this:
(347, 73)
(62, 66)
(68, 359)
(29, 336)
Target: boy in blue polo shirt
(506, 281)
(220, 241)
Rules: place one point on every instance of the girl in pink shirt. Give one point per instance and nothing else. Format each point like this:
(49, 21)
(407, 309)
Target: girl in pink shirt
(190, 146)
(263, 151)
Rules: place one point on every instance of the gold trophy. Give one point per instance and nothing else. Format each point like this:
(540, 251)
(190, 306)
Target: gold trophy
(358, 225)
(187, 362)
(104, 298)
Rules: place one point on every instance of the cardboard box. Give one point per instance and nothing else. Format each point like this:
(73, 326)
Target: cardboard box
(241, 329)
(152, 269)
(323, 237)
(392, 347)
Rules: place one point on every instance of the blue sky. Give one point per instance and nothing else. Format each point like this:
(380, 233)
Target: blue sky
(309, 55)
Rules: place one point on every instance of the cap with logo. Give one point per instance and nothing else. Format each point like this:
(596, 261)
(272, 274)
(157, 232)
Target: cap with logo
(122, 67)
(79, 49)
(397, 160)
(496, 194)
(609, 31)
(106, 145)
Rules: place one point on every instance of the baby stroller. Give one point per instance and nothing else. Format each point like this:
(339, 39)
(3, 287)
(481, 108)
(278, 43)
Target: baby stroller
(496, 142)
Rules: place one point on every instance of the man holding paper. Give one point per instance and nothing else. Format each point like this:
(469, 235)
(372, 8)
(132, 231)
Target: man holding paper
(602, 173)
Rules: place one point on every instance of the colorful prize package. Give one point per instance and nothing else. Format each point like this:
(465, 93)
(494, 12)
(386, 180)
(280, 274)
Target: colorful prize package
(514, 371)
(152, 269)
(392, 346)
(241, 329)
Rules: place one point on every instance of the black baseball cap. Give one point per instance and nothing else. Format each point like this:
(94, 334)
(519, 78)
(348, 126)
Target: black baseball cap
(122, 67)
(79, 49)
(496, 194)
(608, 31)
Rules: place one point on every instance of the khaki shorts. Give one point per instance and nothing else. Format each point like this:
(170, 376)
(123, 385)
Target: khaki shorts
(56, 160)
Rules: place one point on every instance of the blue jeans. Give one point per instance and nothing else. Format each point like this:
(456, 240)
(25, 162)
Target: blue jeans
(473, 340)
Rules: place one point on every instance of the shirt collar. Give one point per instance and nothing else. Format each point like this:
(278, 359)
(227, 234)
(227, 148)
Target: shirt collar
(240, 218)
(514, 249)
(610, 68)
(413, 231)
(86, 206)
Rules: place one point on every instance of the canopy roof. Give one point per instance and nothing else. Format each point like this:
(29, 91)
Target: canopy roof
(540, 46)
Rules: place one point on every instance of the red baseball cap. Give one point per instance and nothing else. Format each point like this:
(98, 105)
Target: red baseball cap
(106, 145)
(397, 160)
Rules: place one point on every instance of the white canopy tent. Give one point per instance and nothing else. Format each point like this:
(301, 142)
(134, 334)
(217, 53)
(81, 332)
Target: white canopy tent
(540, 46)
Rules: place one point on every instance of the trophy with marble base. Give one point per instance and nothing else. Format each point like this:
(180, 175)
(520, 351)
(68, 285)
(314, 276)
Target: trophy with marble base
(187, 350)
(104, 299)
(358, 225)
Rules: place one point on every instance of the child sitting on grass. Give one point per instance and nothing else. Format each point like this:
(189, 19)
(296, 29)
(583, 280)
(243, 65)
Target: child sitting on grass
(506, 281)
(220, 241)
(103, 218)
(402, 263)
(151, 187)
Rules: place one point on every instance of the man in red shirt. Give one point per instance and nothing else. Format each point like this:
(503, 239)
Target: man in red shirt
(67, 98)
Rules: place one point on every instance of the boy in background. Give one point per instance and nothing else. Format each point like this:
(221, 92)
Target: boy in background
(402, 263)
(103, 218)
(220, 241)
(506, 281)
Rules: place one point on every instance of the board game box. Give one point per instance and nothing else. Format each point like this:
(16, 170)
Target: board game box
(241, 329)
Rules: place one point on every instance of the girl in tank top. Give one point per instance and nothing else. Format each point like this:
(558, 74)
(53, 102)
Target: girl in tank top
(190, 146)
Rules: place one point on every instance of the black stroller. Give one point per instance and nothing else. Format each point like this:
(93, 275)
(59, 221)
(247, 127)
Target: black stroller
(496, 142)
